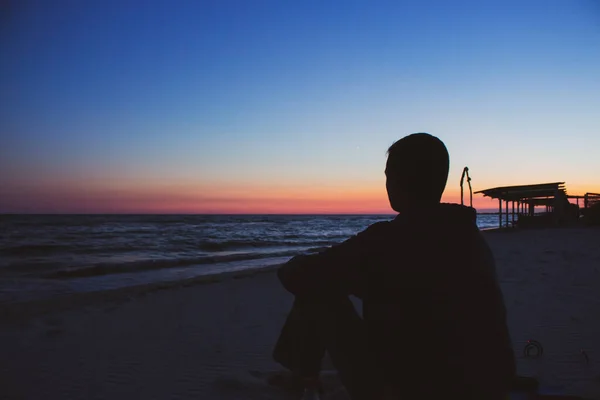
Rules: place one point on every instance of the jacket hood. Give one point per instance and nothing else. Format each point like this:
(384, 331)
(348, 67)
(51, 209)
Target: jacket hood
(442, 214)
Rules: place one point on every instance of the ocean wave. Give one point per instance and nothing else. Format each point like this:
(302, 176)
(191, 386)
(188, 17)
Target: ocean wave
(237, 244)
(65, 246)
(143, 265)
(33, 249)
(317, 249)
(102, 245)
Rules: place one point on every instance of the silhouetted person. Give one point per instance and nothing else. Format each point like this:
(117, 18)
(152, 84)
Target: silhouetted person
(434, 322)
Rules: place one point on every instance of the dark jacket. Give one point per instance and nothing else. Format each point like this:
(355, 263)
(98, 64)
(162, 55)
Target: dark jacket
(432, 306)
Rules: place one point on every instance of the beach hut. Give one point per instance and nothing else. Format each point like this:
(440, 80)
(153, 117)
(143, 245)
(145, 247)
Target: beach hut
(523, 199)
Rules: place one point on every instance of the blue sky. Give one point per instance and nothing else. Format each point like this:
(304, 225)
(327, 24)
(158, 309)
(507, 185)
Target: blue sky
(272, 96)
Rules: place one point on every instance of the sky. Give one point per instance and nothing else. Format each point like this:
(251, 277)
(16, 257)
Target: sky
(288, 106)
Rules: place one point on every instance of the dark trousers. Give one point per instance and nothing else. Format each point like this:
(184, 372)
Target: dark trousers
(318, 325)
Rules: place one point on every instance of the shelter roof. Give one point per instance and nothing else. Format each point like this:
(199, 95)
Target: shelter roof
(521, 192)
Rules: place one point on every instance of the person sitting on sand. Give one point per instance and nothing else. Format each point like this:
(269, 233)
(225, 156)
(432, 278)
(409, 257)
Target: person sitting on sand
(434, 320)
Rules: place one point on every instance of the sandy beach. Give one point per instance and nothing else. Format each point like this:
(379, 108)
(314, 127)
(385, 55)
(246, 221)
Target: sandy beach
(212, 338)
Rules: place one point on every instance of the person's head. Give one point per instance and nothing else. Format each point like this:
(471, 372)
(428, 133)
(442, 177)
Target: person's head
(416, 171)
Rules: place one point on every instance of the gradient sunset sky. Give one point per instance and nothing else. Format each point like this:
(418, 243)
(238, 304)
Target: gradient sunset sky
(288, 106)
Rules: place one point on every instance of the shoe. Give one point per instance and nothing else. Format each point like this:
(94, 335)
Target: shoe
(313, 388)
(311, 394)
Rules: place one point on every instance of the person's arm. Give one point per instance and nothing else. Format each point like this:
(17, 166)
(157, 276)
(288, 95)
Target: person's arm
(336, 269)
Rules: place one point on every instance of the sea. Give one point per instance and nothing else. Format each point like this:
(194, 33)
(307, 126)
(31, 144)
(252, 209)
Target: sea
(44, 256)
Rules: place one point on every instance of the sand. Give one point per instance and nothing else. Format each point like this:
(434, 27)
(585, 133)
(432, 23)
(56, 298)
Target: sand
(213, 339)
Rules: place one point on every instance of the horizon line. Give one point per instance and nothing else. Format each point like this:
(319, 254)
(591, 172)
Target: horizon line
(481, 211)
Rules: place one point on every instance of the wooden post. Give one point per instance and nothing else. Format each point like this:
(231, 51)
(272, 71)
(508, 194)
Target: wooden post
(507, 213)
(499, 213)
(513, 213)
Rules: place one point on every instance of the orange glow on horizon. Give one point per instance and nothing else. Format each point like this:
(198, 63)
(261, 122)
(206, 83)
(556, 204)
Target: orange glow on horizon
(218, 197)
(224, 199)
